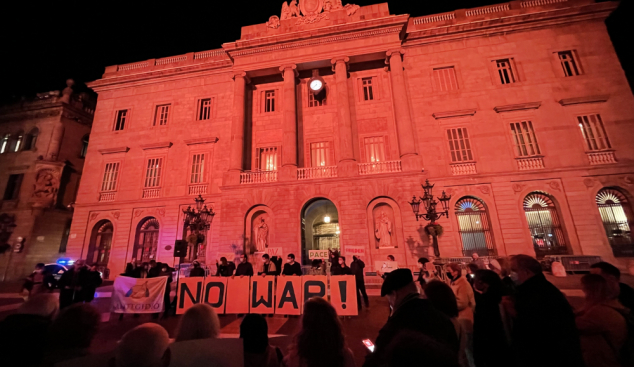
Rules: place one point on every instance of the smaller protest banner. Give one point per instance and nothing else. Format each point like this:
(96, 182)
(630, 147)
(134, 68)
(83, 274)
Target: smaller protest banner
(349, 250)
(189, 292)
(343, 295)
(274, 251)
(385, 266)
(215, 293)
(237, 295)
(317, 254)
(288, 296)
(314, 286)
(262, 295)
(134, 295)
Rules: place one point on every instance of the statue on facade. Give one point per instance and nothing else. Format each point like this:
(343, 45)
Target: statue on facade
(68, 91)
(46, 185)
(262, 235)
(289, 11)
(274, 22)
(383, 230)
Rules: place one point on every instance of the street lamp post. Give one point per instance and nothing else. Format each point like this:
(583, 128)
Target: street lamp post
(198, 220)
(431, 214)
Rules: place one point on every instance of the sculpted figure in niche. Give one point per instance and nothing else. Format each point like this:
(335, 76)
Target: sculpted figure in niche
(383, 230)
(45, 185)
(262, 235)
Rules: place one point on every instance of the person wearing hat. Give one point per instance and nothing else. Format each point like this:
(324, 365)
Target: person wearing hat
(409, 312)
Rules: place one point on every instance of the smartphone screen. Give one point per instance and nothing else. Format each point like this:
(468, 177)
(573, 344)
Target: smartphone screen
(368, 344)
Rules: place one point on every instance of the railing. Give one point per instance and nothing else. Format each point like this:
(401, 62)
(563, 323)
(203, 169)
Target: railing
(530, 163)
(169, 60)
(252, 177)
(137, 65)
(459, 169)
(434, 18)
(316, 172)
(531, 3)
(151, 193)
(106, 196)
(379, 167)
(197, 189)
(487, 10)
(210, 53)
(606, 157)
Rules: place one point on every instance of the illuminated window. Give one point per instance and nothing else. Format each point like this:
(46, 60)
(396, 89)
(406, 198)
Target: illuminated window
(445, 79)
(5, 143)
(320, 154)
(368, 89)
(267, 159)
(524, 139)
(269, 101)
(505, 71)
(544, 225)
(18, 142)
(204, 109)
(12, 190)
(616, 215)
(374, 149)
(593, 132)
(162, 114)
(473, 226)
(120, 120)
(84, 146)
(568, 63)
(110, 176)
(198, 168)
(153, 172)
(459, 145)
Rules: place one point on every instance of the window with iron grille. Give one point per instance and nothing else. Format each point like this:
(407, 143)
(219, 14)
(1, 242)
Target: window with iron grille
(269, 101)
(153, 172)
(568, 63)
(198, 168)
(204, 109)
(445, 79)
(368, 89)
(593, 132)
(459, 145)
(505, 71)
(317, 100)
(12, 190)
(374, 149)
(320, 154)
(162, 114)
(266, 159)
(110, 176)
(120, 120)
(524, 139)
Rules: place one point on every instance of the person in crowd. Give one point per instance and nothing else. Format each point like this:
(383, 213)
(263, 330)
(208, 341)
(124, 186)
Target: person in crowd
(411, 348)
(544, 331)
(154, 269)
(427, 272)
(320, 340)
(342, 269)
(382, 273)
(471, 269)
(491, 346)
(23, 334)
(268, 267)
(602, 327)
(199, 322)
(292, 267)
(129, 270)
(442, 298)
(146, 345)
(142, 271)
(34, 283)
(257, 351)
(93, 281)
(612, 274)
(333, 258)
(463, 291)
(166, 271)
(409, 312)
(317, 267)
(244, 267)
(475, 259)
(225, 268)
(390, 258)
(71, 284)
(502, 268)
(198, 271)
(356, 267)
(71, 333)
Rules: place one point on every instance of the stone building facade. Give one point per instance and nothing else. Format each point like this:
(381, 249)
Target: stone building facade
(43, 143)
(520, 111)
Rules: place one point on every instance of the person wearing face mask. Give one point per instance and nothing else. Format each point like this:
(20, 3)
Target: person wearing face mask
(342, 269)
(268, 267)
(544, 331)
(291, 267)
(244, 267)
(409, 312)
(427, 272)
(463, 291)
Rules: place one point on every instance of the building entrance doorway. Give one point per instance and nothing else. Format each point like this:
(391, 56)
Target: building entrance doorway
(320, 227)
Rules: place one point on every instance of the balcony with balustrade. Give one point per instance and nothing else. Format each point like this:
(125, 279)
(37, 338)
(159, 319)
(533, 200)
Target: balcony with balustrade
(255, 177)
(463, 168)
(530, 163)
(197, 189)
(310, 173)
(106, 196)
(151, 193)
(374, 168)
(602, 157)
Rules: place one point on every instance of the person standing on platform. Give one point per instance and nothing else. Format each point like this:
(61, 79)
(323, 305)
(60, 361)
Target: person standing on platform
(317, 268)
(198, 271)
(292, 267)
(154, 269)
(357, 267)
(244, 267)
(342, 269)
(268, 268)
(225, 268)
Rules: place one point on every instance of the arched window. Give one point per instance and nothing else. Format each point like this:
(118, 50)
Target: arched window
(473, 225)
(84, 146)
(17, 144)
(100, 245)
(617, 217)
(4, 144)
(146, 243)
(544, 225)
(31, 139)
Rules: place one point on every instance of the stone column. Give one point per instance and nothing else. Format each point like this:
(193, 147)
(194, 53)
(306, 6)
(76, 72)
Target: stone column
(56, 142)
(407, 146)
(346, 151)
(289, 124)
(237, 121)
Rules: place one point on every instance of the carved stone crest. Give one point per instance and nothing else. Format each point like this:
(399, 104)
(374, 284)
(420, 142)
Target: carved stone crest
(484, 189)
(93, 216)
(274, 22)
(46, 187)
(517, 187)
(554, 185)
(138, 213)
(116, 215)
(628, 180)
(309, 11)
(160, 212)
(588, 182)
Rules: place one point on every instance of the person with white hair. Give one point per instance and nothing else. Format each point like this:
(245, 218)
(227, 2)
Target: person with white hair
(146, 345)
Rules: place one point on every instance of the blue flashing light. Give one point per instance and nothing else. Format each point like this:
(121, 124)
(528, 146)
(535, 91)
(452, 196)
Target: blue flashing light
(65, 261)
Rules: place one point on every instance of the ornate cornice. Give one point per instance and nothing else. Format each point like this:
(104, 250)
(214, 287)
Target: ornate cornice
(450, 114)
(581, 100)
(159, 145)
(208, 140)
(114, 150)
(518, 107)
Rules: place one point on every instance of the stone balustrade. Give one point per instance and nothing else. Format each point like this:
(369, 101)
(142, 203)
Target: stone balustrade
(171, 60)
(460, 169)
(531, 3)
(434, 18)
(190, 57)
(487, 10)
(198, 189)
(530, 163)
(106, 196)
(152, 193)
(379, 167)
(316, 172)
(253, 177)
(605, 157)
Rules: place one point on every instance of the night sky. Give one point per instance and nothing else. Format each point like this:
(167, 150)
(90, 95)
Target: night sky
(47, 42)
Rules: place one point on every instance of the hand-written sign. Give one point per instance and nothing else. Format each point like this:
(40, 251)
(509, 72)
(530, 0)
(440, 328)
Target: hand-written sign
(354, 250)
(317, 254)
(274, 251)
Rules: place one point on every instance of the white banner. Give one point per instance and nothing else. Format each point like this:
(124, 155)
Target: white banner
(132, 295)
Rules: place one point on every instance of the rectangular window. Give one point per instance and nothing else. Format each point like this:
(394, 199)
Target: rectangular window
(593, 132)
(459, 145)
(153, 172)
(568, 63)
(204, 109)
(13, 187)
(267, 159)
(368, 90)
(121, 119)
(315, 100)
(5, 143)
(269, 101)
(198, 168)
(110, 176)
(524, 139)
(505, 71)
(320, 154)
(445, 79)
(161, 115)
(374, 149)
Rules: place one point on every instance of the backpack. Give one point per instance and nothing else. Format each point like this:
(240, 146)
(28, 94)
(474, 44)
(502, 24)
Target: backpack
(626, 354)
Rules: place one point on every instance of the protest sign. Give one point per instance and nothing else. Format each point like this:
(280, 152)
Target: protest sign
(385, 266)
(314, 286)
(288, 295)
(274, 251)
(317, 254)
(215, 292)
(349, 250)
(343, 295)
(189, 293)
(134, 295)
(262, 295)
(237, 295)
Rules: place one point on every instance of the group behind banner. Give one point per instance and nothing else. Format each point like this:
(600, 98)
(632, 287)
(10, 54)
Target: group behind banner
(138, 295)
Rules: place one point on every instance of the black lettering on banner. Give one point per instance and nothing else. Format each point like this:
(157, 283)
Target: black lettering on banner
(288, 289)
(221, 295)
(314, 283)
(267, 304)
(185, 289)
